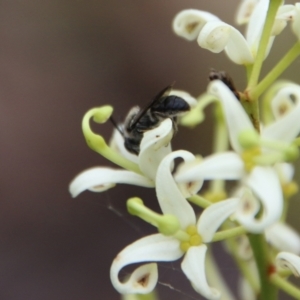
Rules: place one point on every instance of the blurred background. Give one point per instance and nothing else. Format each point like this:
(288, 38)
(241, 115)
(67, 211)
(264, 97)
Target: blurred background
(57, 60)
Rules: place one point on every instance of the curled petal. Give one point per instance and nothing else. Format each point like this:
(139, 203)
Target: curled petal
(286, 99)
(296, 22)
(236, 118)
(283, 238)
(156, 247)
(170, 198)
(193, 266)
(217, 36)
(245, 10)
(155, 146)
(227, 165)
(286, 260)
(285, 13)
(117, 144)
(188, 23)
(191, 187)
(287, 127)
(101, 179)
(256, 24)
(213, 217)
(265, 184)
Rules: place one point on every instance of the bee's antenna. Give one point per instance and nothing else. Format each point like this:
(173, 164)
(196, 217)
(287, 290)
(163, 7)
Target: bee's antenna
(116, 125)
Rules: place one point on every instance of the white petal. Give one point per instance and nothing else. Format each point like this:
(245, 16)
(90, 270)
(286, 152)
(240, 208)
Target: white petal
(236, 118)
(186, 96)
(289, 261)
(188, 23)
(255, 26)
(249, 204)
(100, 179)
(285, 129)
(169, 196)
(285, 172)
(156, 247)
(285, 13)
(191, 187)
(213, 217)
(285, 100)
(217, 36)
(226, 165)
(193, 266)
(265, 184)
(283, 237)
(296, 22)
(117, 144)
(155, 145)
(245, 10)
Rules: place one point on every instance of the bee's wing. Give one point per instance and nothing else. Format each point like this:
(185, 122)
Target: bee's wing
(142, 111)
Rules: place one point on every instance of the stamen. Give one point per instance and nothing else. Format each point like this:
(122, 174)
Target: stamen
(194, 238)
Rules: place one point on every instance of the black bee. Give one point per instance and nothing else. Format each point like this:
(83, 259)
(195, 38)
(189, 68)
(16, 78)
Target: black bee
(223, 76)
(138, 120)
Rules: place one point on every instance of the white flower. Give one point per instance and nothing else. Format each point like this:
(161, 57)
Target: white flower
(286, 260)
(216, 36)
(154, 146)
(285, 100)
(187, 242)
(265, 188)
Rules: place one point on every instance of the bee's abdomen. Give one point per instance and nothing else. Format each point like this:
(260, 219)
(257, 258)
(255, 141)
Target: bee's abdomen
(171, 106)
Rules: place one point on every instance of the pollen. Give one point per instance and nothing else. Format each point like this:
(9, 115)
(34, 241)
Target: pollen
(248, 157)
(194, 240)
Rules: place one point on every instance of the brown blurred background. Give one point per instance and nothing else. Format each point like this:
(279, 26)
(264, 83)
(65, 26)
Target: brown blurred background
(57, 60)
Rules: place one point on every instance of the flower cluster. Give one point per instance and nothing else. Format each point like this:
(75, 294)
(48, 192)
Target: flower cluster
(254, 148)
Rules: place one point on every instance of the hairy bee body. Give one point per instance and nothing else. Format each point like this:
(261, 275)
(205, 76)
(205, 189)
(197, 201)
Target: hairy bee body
(140, 120)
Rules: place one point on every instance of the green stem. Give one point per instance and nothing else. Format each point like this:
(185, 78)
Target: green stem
(229, 233)
(281, 66)
(263, 44)
(252, 110)
(260, 253)
(200, 201)
(286, 286)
